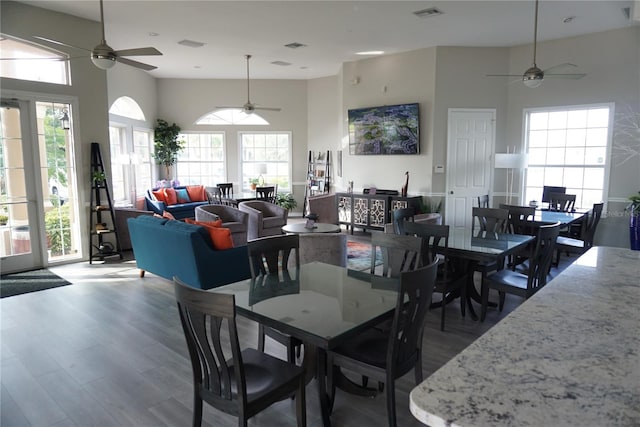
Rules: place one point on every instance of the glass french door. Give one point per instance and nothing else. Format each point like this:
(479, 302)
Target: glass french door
(19, 238)
(38, 204)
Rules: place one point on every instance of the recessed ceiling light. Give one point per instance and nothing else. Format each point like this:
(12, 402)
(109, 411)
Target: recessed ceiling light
(427, 13)
(281, 63)
(152, 34)
(295, 45)
(190, 43)
(197, 66)
(371, 52)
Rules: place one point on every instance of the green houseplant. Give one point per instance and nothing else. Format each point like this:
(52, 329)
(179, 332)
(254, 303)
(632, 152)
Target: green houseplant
(166, 145)
(286, 201)
(634, 223)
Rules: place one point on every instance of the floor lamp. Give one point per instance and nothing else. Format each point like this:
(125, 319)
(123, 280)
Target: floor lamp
(261, 170)
(510, 161)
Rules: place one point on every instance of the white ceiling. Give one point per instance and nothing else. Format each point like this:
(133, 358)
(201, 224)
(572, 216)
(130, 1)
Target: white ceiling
(332, 30)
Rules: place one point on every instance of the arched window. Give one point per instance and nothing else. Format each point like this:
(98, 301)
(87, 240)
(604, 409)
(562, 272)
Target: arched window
(231, 116)
(127, 107)
(32, 62)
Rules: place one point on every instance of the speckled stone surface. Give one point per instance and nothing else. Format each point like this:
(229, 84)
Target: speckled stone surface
(569, 356)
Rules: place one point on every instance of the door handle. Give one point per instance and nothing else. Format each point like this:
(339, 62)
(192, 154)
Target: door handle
(451, 192)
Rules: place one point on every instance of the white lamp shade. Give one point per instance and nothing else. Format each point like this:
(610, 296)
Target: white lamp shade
(103, 62)
(510, 161)
(261, 168)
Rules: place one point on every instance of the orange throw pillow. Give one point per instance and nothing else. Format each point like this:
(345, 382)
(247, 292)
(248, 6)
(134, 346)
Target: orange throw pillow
(167, 215)
(170, 196)
(220, 236)
(159, 195)
(197, 193)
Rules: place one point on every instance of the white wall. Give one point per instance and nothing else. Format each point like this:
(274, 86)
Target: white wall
(137, 85)
(324, 120)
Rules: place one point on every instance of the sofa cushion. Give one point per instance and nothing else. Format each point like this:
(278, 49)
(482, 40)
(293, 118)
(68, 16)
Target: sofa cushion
(182, 195)
(216, 223)
(167, 215)
(158, 195)
(220, 236)
(197, 193)
(170, 196)
(274, 221)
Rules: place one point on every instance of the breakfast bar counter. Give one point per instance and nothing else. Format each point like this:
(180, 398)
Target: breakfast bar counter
(568, 356)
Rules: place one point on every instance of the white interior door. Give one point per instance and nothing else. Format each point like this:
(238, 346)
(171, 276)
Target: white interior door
(470, 145)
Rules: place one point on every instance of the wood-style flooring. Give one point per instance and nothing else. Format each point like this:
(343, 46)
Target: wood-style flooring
(109, 351)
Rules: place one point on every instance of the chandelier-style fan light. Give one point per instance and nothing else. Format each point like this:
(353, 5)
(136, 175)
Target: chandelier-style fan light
(534, 76)
(104, 57)
(250, 107)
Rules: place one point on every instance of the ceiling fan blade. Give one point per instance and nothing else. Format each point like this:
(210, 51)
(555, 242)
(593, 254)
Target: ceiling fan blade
(267, 108)
(60, 43)
(559, 67)
(227, 107)
(28, 59)
(136, 64)
(142, 51)
(575, 76)
(503, 75)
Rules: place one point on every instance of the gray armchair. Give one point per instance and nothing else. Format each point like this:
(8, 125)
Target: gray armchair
(325, 206)
(265, 219)
(232, 218)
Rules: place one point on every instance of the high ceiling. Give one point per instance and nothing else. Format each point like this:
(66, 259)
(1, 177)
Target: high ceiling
(333, 31)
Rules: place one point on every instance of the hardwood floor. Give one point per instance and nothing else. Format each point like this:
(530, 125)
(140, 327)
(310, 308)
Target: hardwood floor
(109, 351)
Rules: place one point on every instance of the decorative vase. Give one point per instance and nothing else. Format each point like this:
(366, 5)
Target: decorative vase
(634, 230)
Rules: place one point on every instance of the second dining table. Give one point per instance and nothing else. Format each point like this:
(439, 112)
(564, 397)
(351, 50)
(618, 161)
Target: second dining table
(323, 305)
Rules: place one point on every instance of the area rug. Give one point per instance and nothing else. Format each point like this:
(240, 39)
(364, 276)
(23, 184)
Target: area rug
(29, 281)
(359, 256)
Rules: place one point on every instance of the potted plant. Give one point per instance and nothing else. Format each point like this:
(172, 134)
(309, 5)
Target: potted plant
(286, 201)
(4, 218)
(634, 223)
(253, 183)
(98, 178)
(166, 145)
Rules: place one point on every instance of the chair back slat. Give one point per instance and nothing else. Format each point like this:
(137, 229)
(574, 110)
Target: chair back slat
(435, 239)
(414, 298)
(518, 217)
(268, 255)
(399, 253)
(214, 195)
(401, 215)
(202, 315)
(562, 202)
(268, 193)
(542, 256)
(590, 224)
(226, 189)
(490, 220)
(483, 201)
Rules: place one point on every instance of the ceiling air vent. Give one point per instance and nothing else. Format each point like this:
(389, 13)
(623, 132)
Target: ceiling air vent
(281, 63)
(427, 13)
(295, 45)
(190, 43)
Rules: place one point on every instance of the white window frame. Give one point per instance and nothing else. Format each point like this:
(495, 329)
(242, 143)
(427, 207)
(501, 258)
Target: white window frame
(244, 184)
(207, 180)
(607, 161)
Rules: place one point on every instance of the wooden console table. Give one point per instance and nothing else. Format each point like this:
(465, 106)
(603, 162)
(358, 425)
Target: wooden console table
(371, 210)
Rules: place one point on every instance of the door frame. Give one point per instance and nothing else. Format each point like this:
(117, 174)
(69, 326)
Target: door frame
(450, 171)
(39, 247)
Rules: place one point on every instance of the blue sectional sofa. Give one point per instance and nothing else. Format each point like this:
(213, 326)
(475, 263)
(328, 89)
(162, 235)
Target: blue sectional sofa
(178, 210)
(171, 248)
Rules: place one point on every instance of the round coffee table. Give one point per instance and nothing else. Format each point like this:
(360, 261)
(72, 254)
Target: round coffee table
(319, 227)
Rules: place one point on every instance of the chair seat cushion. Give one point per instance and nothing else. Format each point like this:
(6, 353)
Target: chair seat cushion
(568, 241)
(263, 373)
(369, 347)
(273, 222)
(508, 278)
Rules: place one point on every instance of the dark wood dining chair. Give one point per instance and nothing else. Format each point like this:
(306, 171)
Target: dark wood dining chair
(237, 382)
(524, 285)
(388, 355)
(214, 195)
(483, 201)
(451, 277)
(562, 202)
(267, 193)
(520, 222)
(226, 194)
(401, 215)
(269, 255)
(588, 230)
(399, 253)
(490, 220)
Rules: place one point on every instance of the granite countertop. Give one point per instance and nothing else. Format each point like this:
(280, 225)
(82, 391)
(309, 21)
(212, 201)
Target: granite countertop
(569, 356)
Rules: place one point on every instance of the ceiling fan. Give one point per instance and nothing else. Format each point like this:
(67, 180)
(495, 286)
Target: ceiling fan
(104, 57)
(534, 76)
(250, 107)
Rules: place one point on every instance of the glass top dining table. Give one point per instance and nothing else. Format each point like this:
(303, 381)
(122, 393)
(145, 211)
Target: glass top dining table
(564, 218)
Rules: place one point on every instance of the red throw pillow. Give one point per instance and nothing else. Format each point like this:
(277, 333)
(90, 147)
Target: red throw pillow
(167, 215)
(220, 236)
(159, 195)
(197, 193)
(170, 196)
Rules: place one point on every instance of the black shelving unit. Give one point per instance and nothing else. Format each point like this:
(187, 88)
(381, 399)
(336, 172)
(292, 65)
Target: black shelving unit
(103, 236)
(318, 175)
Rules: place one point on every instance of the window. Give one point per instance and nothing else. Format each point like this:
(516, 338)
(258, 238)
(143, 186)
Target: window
(272, 149)
(231, 116)
(131, 162)
(203, 159)
(568, 147)
(32, 62)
